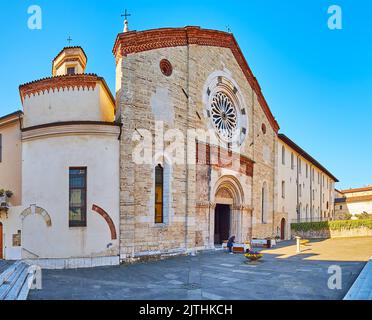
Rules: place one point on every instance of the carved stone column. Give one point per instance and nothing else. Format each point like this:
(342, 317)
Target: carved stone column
(209, 208)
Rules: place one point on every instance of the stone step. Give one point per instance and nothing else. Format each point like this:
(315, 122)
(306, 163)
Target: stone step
(14, 283)
(4, 276)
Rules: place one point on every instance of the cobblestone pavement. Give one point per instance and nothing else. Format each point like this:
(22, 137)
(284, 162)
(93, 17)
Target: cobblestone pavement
(216, 275)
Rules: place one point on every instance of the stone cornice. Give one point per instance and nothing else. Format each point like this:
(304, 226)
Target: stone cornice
(65, 82)
(133, 42)
(71, 128)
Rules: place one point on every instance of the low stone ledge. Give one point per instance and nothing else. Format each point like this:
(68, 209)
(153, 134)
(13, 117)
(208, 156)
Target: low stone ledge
(75, 263)
(362, 287)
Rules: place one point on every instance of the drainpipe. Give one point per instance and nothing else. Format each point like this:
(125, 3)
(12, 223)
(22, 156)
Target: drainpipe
(321, 197)
(253, 158)
(311, 193)
(209, 201)
(186, 151)
(298, 191)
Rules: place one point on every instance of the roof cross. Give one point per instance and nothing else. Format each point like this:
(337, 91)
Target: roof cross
(126, 14)
(69, 40)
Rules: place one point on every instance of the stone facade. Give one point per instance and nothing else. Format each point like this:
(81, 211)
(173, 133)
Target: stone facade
(146, 99)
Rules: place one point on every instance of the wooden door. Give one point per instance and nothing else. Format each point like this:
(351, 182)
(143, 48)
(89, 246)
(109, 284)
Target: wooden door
(282, 229)
(222, 223)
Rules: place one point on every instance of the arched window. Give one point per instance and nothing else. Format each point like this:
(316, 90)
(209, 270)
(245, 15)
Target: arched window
(264, 203)
(159, 194)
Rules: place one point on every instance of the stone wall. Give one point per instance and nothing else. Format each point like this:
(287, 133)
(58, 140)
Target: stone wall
(326, 233)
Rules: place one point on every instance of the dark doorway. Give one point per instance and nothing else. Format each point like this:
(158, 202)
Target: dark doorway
(221, 223)
(282, 229)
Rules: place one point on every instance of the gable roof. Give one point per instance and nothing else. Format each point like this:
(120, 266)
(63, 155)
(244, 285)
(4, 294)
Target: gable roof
(11, 116)
(304, 154)
(364, 189)
(134, 42)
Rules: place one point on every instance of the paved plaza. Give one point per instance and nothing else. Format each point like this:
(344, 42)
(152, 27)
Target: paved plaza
(216, 275)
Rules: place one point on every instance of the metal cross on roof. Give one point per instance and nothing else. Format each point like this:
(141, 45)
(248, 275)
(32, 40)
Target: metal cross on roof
(69, 40)
(126, 14)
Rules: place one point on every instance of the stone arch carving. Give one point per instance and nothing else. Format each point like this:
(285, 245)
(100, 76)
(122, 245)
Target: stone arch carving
(108, 220)
(229, 187)
(32, 210)
(228, 191)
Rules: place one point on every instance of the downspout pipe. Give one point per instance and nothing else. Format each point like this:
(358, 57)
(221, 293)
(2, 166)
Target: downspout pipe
(186, 151)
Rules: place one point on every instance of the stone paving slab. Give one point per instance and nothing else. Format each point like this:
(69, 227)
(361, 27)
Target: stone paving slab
(214, 275)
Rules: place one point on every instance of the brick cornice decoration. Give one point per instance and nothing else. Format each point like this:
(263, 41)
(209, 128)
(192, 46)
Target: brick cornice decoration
(108, 220)
(65, 82)
(218, 157)
(133, 42)
(69, 60)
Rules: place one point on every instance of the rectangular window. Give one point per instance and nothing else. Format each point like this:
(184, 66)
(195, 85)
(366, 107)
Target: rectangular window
(292, 161)
(71, 70)
(307, 170)
(299, 166)
(283, 189)
(78, 197)
(1, 148)
(283, 155)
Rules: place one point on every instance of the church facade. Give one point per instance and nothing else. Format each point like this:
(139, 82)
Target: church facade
(185, 155)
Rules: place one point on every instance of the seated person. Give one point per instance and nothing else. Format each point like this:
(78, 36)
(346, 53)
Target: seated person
(230, 243)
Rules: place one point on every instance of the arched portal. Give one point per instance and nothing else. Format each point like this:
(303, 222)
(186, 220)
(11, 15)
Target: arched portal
(228, 218)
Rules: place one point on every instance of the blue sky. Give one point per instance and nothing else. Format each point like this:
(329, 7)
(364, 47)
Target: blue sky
(318, 82)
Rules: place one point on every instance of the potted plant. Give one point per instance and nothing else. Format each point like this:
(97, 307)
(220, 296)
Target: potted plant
(253, 256)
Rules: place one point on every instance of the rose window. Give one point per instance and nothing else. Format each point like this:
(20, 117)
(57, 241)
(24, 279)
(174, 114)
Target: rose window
(224, 115)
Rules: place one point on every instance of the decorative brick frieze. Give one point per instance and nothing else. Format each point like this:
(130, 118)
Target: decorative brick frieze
(135, 42)
(221, 158)
(65, 82)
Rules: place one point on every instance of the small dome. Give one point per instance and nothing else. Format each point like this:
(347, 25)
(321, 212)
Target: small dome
(71, 60)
